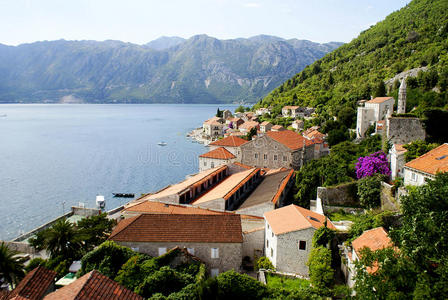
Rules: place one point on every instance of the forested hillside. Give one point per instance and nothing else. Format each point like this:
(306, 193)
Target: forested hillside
(415, 36)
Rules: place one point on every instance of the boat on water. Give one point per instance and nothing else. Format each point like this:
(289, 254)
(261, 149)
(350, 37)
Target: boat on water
(162, 144)
(123, 195)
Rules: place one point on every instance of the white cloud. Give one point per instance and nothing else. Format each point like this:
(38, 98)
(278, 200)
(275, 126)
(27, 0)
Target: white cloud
(252, 5)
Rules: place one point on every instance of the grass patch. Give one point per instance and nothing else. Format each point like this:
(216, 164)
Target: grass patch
(288, 283)
(342, 216)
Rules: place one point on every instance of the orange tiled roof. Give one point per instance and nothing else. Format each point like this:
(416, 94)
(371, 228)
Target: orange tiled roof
(379, 100)
(213, 121)
(34, 285)
(400, 148)
(155, 207)
(265, 123)
(289, 138)
(93, 285)
(431, 162)
(293, 218)
(277, 127)
(222, 228)
(243, 165)
(249, 124)
(218, 153)
(374, 239)
(231, 141)
(282, 186)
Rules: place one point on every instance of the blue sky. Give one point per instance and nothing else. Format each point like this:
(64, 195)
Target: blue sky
(140, 21)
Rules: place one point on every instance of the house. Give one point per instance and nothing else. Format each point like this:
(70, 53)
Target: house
(93, 285)
(269, 194)
(215, 239)
(374, 239)
(369, 112)
(248, 125)
(234, 123)
(419, 170)
(263, 110)
(278, 128)
(313, 133)
(217, 157)
(274, 150)
(230, 143)
(226, 114)
(191, 188)
(290, 111)
(265, 126)
(397, 160)
(213, 128)
(229, 194)
(34, 286)
(289, 232)
(297, 124)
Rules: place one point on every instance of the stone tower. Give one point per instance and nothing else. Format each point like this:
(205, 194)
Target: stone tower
(402, 97)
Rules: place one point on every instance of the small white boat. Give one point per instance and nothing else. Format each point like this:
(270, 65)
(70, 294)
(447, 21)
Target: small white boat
(161, 143)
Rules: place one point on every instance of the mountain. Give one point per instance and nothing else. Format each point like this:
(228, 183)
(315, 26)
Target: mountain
(410, 42)
(165, 42)
(201, 69)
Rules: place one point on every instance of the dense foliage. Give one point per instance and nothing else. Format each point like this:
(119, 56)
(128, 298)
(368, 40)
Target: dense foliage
(417, 148)
(264, 263)
(323, 236)
(369, 190)
(11, 266)
(321, 273)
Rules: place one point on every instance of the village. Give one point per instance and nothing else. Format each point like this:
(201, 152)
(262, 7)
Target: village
(239, 209)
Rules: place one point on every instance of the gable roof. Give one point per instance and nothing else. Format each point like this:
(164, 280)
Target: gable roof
(231, 141)
(431, 162)
(277, 127)
(379, 99)
(265, 123)
(34, 285)
(155, 207)
(374, 239)
(93, 285)
(249, 124)
(214, 121)
(293, 218)
(218, 153)
(221, 228)
(289, 138)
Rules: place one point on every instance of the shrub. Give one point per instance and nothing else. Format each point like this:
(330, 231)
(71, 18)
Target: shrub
(322, 236)
(264, 263)
(372, 164)
(369, 190)
(35, 262)
(321, 273)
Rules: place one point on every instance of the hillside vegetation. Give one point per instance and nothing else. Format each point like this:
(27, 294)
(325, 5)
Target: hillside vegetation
(415, 36)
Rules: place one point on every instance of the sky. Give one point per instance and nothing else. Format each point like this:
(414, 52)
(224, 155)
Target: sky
(140, 21)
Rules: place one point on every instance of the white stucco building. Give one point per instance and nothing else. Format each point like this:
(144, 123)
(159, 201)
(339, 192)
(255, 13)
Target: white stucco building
(374, 110)
(215, 158)
(397, 160)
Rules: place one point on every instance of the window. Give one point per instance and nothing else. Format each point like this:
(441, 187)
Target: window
(265, 156)
(215, 252)
(212, 165)
(205, 163)
(272, 234)
(190, 250)
(267, 243)
(302, 245)
(272, 252)
(162, 251)
(214, 272)
(275, 157)
(414, 176)
(285, 158)
(256, 155)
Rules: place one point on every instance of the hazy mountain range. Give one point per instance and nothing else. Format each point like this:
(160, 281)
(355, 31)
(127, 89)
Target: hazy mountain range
(200, 69)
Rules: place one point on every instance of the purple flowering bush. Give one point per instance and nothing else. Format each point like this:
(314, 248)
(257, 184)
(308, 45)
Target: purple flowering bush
(375, 163)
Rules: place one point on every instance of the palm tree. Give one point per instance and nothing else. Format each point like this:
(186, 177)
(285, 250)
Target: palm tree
(11, 266)
(62, 239)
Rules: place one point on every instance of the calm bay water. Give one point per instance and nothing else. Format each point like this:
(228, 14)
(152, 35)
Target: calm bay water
(54, 156)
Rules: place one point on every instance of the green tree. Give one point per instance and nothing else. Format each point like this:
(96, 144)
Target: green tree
(264, 263)
(369, 190)
(219, 113)
(240, 109)
(380, 90)
(347, 116)
(417, 148)
(135, 270)
(321, 273)
(95, 230)
(62, 239)
(11, 266)
(38, 241)
(233, 285)
(323, 236)
(435, 121)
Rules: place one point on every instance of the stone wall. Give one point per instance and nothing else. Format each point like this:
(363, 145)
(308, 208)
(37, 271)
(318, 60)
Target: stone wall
(257, 210)
(85, 212)
(253, 243)
(402, 130)
(20, 247)
(230, 254)
(388, 201)
(340, 195)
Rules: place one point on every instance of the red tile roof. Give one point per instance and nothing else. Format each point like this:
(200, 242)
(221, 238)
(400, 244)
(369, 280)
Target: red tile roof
(218, 153)
(265, 123)
(431, 162)
(34, 285)
(293, 218)
(231, 141)
(93, 285)
(282, 186)
(379, 100)
(155, 207)
(243, 165)
(374, 239)
(223, 228)
(278, 127)
(289, 138)
(249, 125)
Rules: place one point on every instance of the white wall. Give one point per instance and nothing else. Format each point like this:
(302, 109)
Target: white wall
(417, 179)
(270, 243)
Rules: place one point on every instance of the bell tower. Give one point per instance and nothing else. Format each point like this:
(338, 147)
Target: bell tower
(402, 97)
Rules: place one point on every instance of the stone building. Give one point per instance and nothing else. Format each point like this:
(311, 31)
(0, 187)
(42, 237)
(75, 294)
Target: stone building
(248, 125)
(36, 284)
(230, 143)
(404, 130)
(265, 126)
(215, 239)
(297, 124)
(288, 235)
(282, 149)
(214, 158)
(226, 114)
(401, 109)
(214, 127)
(423, 168)
(373, 110)
(290, 111)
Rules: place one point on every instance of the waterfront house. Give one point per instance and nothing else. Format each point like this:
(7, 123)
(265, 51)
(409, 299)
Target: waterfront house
(397, 160)
(265, 126)
(229, 194)
(214, 127)
(269, 194)
(215, 239)
(289, 232)
(369, 112)
(230, 143)
(217, 157)
(281, 149)
(374, 239)
(34, 286)
(425, 167)
(191, 188)
(93, 285)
